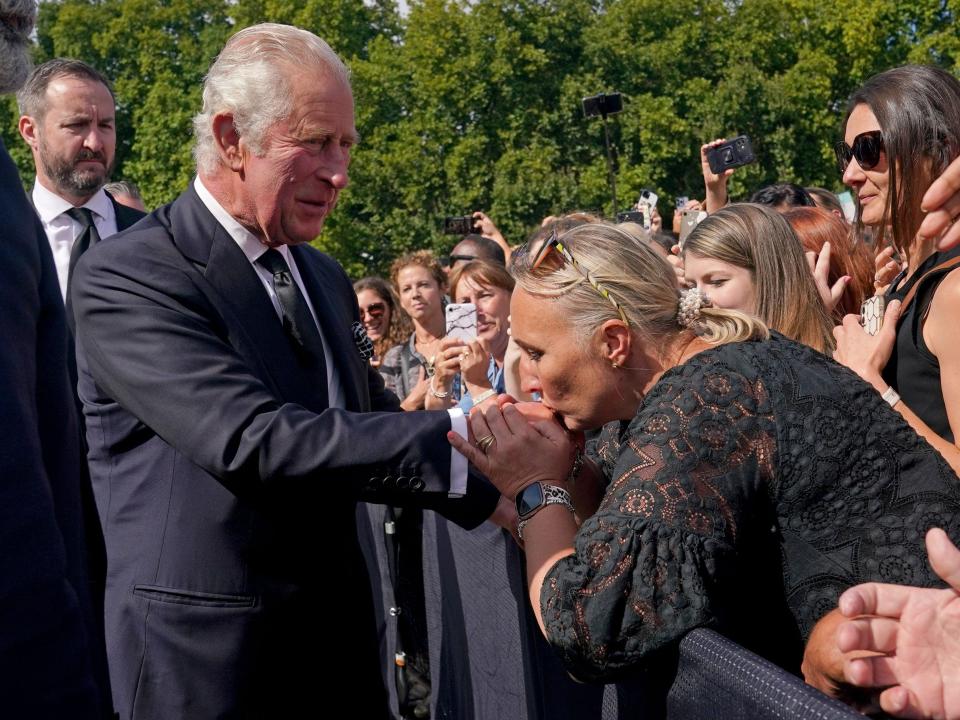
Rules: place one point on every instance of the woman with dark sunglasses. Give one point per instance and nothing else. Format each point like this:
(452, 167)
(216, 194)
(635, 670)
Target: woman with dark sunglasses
(901, 131)
(386, 325)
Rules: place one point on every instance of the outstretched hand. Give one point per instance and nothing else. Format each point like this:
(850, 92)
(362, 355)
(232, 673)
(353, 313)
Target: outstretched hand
(942, 203)
(917, 630)
(521, 452)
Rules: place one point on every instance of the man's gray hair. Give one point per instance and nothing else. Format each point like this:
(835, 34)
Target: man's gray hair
(250, 79)
(123, 187)
(16, 24)
(32, 97)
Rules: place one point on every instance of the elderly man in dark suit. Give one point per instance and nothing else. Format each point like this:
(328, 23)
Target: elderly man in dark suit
(226, 389)
(47, 630)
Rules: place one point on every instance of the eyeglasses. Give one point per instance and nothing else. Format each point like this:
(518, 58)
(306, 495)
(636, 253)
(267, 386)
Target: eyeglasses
(553, 243)
(867, 148)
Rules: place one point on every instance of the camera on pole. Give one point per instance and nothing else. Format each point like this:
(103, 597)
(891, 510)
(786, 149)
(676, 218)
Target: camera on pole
(603, 105)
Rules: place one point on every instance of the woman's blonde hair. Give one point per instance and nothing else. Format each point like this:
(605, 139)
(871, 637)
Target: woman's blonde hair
(641, 282)
(759, 239)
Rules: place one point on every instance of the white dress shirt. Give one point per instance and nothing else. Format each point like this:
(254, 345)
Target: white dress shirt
(253, 248)
(62, 230)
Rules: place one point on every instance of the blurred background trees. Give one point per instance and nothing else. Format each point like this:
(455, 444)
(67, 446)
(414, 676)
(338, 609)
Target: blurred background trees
(475, 105)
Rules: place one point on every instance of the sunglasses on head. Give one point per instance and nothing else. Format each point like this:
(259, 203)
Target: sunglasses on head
(553, 244)
(451, 260)
(866, 149)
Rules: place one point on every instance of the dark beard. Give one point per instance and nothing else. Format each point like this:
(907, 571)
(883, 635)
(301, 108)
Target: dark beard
(67, 178)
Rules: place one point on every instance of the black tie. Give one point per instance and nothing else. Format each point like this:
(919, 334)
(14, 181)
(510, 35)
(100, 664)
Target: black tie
(297, 320)
(87, 238)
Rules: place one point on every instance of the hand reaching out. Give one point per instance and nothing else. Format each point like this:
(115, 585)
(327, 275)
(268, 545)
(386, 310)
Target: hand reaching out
(917, 630)
(942, 202)
(521, 452)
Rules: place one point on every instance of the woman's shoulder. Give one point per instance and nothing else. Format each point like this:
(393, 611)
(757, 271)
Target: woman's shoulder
(760, 359)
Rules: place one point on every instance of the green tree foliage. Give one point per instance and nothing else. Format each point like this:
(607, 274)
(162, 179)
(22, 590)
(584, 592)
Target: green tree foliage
(466, 105)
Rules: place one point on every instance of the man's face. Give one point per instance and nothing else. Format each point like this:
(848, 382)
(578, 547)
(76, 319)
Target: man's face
(289, 191)
(75, 141)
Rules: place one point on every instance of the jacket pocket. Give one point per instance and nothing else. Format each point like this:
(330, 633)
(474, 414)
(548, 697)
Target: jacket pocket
(191, 597)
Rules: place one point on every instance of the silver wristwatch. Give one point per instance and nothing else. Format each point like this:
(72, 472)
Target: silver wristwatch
(536, 496)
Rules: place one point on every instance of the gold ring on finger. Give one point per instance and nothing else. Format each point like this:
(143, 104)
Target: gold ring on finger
(484, 443)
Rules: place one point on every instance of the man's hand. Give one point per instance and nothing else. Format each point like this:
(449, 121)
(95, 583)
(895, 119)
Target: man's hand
(520, 452)
(942, 203)
(917, 630)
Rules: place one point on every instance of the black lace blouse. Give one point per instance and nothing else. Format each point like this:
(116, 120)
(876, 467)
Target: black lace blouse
(757, 481)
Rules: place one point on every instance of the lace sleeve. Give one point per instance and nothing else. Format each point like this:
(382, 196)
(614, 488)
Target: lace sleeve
(648, 562)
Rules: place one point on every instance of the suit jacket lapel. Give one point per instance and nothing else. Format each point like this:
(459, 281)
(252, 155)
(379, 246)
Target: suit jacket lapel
(126, 216)
(253, 327)
(335, 318)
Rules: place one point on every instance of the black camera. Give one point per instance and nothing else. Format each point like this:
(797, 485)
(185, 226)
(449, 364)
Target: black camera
(602, 104)
(639, 217)
(458, 225)
(731, 154)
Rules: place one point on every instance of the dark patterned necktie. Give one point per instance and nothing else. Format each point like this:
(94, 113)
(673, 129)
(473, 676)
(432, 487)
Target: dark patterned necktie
(297, 320)
(87, 238)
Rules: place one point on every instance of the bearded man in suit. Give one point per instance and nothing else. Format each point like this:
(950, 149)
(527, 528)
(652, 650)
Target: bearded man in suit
(68, 119)
(231, 414)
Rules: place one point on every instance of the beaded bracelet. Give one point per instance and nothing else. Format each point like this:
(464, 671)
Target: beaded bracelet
(485, 395)
(438, 393)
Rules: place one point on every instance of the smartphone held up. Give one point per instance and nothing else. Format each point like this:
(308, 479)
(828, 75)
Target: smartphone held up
(731, 154)
(462, 321)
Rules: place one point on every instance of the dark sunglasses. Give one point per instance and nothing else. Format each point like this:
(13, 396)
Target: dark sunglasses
(553, 244)
(448, 260)
(867, 149)
(374, 310)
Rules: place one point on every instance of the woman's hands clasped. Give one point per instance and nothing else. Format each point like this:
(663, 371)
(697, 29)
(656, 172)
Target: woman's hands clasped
(514, 448)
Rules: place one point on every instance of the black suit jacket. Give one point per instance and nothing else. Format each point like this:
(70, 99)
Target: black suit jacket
(46, 626)
(226, 488)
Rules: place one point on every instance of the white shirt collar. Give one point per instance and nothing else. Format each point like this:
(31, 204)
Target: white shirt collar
(49, 205)
(251, 245)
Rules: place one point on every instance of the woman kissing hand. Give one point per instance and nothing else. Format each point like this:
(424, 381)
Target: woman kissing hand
(513, 452)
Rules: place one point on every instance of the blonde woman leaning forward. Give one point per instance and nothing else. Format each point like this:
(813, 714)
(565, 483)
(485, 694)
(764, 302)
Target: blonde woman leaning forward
(735, 464)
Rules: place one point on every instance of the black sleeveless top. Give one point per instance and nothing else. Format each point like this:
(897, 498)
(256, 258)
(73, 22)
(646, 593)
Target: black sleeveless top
(913, 371)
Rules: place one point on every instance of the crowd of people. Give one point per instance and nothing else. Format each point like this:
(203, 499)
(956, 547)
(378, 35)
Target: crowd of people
(235, 481)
